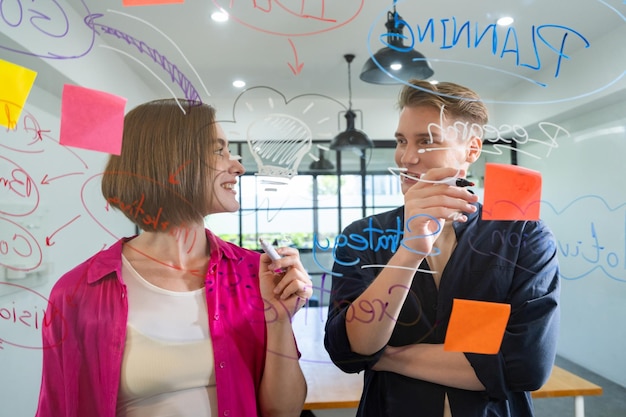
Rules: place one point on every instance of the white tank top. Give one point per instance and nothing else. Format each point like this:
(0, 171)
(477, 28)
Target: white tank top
(168, 367)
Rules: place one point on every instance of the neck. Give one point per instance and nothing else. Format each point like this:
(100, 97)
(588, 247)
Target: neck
(179, 248)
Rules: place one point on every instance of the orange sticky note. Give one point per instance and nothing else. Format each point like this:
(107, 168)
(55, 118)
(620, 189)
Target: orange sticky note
(476, 326)
(511, 193)
(149, 2)
(16, 84)
(91, 119)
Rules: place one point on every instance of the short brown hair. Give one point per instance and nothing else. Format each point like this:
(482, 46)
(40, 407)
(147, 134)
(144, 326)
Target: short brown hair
(456, 100)
(161, 178)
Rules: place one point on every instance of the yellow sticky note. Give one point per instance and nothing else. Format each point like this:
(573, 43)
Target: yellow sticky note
(476, 326)
(17, 82)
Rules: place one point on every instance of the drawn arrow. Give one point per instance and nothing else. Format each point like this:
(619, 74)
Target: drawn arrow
(46, 180)
(298, 66)
(49, 238)
(172, 179)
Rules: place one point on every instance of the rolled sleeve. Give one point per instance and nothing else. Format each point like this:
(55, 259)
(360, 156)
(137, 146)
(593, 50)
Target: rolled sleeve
(337, 345)
(347, 284)
(529, 344)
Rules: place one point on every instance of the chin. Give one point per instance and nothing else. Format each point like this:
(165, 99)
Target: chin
(233, 208)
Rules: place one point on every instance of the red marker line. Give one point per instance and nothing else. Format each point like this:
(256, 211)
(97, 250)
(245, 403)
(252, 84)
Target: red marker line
(49, 238)
(47, 180)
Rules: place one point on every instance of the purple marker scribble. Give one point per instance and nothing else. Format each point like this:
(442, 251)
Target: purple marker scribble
(175, 74)
(41, 21)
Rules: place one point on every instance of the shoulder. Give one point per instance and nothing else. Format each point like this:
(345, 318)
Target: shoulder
(91, 270)
(522, 226)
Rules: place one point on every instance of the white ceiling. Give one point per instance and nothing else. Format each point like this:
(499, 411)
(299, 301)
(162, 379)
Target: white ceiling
(296, 47)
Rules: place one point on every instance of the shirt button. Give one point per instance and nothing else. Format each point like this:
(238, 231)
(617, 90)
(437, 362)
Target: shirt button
(226, 412)
(222, 365)
(216, 317)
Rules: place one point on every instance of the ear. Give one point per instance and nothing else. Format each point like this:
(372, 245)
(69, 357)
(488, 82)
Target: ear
(474, 148)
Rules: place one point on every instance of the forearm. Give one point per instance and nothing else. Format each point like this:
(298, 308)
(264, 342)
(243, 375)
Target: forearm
(283, 387)
(431, 363)
(371, 318)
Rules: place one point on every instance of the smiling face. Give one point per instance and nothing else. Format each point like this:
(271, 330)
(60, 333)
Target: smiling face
(226, 170)
(425, 139)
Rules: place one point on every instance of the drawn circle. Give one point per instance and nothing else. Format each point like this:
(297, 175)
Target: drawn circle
(46, 321)
(257, 27)
(40, 23)
(31, 191)
(609, 83)
(92, 212)
(30, 240)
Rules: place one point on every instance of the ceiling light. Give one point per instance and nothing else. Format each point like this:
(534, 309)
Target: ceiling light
(219, 16)
(321, 164)
(505, 21)
(404, 63)
(350, 138)
(239, 83)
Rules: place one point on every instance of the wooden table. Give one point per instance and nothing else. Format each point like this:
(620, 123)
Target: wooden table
(329, 387)
(566, 384)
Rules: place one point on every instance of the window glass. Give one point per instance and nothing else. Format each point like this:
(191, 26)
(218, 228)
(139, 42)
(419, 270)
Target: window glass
(306, 207)
(351, 191)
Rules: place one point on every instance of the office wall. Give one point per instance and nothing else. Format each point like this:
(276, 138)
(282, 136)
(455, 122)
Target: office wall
(584, 202)
(63, 220)
(580, 152)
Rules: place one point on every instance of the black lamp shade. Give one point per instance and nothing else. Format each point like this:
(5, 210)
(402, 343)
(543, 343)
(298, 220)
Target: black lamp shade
(414, 65)
(322, 164)
(351, 138)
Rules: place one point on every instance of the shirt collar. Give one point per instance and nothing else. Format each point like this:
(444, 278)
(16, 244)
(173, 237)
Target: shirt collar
(109, 261)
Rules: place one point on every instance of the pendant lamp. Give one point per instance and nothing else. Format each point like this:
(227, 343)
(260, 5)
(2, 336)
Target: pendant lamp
(321, 164)
(395, 63)
(351, 138)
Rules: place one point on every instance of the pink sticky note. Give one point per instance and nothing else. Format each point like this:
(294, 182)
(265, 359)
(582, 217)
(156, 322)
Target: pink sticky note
(92, 119)
(16, 84)
(126, 3)
(511, 193)
(476, 326)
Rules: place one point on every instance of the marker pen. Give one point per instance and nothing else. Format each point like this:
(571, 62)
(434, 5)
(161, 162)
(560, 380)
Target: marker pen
(454, 181)
(459, 182)
(269, 249)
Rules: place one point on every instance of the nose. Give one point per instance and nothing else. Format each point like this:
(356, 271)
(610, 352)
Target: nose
(236, 167)
(410, 155)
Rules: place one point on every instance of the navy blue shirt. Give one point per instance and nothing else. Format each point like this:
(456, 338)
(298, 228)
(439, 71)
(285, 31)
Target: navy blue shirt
(513, 262)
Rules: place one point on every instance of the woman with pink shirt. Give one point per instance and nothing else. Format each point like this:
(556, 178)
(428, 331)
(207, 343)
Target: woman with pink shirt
(174, 321)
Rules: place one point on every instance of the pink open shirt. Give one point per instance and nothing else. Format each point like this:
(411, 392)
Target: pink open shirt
(85, 329)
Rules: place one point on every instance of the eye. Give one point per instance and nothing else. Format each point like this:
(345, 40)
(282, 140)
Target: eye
(221, 151)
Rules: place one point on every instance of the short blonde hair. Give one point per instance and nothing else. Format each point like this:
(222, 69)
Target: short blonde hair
(161, 178)
(458, 102)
